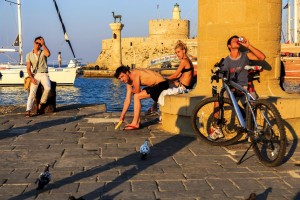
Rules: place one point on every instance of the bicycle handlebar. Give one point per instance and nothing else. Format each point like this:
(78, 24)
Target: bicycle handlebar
(252, 70)
(215, 74)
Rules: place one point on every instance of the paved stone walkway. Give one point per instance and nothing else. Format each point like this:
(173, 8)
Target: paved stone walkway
(90, 159)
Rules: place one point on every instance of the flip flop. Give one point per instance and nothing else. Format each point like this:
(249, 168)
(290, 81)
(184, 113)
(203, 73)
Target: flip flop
(130, 127)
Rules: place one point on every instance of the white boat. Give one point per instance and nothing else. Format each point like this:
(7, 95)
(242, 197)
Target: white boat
(14, 74)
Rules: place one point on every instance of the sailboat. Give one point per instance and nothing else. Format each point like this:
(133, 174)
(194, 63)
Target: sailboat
(14, 74)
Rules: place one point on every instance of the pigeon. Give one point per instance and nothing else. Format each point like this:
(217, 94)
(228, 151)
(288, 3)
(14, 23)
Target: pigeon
(145, 150)
(43, 179)
(252, 196)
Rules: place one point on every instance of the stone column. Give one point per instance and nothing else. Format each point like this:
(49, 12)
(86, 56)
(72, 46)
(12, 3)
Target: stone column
(260, 23)
(116, 57)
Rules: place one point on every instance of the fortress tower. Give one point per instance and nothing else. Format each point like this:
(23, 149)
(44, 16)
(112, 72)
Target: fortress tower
(175, 28)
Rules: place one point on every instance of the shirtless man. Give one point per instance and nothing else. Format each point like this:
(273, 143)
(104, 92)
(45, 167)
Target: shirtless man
(134, 79)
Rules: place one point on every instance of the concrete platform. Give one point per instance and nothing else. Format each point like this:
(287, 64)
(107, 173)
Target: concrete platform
(178, 110)
(90, 159)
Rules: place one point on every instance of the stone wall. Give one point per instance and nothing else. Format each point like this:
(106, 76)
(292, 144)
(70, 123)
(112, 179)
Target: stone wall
(140, 51)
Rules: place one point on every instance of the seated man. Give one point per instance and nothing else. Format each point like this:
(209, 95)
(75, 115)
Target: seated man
(235, 64)
(134, 79)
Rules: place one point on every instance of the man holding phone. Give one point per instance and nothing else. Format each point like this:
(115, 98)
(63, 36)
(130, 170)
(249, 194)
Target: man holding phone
(37, 69)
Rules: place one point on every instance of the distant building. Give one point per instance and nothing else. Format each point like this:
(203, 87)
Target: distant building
(139, 51)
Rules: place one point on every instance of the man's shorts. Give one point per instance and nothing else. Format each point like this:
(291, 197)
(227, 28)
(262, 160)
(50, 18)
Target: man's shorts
(155, 90)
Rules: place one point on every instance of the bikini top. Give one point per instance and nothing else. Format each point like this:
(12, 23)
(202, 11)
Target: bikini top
(189, 69)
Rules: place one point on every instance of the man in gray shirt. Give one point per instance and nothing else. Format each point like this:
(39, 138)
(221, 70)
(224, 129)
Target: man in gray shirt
(235, 64)
(37, 69)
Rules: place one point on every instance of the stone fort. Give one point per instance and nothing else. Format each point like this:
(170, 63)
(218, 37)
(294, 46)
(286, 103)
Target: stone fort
(139, 51)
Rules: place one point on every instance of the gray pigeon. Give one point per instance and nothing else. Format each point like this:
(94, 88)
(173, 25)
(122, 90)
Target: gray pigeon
(43, 179)
(145, 150)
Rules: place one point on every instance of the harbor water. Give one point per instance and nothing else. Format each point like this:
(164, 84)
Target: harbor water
(107, 91)
(85, 91)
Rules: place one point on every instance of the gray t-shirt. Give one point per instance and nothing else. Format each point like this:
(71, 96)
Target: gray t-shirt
(42, 64)
(236, 68)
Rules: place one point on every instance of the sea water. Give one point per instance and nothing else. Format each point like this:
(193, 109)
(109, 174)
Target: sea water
(107, 91)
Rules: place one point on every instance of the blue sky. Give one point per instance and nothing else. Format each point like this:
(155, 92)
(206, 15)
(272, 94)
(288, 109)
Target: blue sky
(86, 21)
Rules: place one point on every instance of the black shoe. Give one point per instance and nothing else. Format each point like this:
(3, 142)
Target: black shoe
(41, 109)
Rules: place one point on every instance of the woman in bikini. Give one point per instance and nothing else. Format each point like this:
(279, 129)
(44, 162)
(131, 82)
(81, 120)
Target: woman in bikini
(182, 79)
(183, 76)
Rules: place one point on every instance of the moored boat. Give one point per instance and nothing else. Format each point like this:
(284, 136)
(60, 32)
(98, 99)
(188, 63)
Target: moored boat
(14, 73)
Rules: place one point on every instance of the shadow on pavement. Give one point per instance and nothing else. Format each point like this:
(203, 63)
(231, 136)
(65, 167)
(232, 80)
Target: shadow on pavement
(292, 145)
(159, 152)
(10, 131)
(74, 106)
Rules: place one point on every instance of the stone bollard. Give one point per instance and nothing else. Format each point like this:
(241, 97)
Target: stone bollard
(50, 106)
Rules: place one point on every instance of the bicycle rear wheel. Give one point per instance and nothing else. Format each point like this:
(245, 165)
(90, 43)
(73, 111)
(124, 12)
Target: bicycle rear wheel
(269, 136)
(204, 118)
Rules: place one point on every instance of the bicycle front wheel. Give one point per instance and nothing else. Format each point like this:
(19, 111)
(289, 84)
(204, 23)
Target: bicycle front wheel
(269, 135)
(205, 119)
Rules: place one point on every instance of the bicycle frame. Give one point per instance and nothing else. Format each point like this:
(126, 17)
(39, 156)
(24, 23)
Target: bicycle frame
(249, 98)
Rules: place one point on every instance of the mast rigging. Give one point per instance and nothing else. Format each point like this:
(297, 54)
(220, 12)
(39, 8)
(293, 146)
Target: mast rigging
(64, 28)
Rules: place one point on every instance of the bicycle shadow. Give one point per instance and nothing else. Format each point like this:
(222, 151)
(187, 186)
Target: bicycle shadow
(292, 144)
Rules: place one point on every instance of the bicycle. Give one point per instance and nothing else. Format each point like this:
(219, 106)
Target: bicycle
(260, 120)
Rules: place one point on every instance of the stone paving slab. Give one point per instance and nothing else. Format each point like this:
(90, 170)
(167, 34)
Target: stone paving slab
(92, 160)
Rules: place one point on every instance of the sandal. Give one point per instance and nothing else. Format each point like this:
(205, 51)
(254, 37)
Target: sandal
(27, 114)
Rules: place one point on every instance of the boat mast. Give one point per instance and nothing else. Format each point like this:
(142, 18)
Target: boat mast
(289, 23)
(19, 37)
(296, 21)
(64, 28)
(20, 32)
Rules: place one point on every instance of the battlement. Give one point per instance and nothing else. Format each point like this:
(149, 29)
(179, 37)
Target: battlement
(169, 28)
